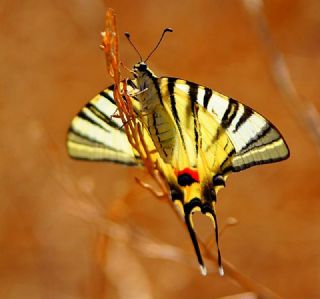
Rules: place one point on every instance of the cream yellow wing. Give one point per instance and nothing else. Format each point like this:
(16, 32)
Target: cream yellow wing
(97, 134)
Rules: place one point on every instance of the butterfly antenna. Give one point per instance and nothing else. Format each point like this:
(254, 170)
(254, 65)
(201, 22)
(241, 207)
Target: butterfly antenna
(127, 34)
(157, 45)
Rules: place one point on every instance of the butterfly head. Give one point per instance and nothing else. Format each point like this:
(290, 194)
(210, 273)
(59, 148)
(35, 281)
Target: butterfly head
(141, 69)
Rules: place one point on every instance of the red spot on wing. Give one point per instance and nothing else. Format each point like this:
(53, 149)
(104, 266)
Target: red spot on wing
(192, 172)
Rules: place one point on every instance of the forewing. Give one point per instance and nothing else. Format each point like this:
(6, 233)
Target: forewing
(97, 134)
(254, 139)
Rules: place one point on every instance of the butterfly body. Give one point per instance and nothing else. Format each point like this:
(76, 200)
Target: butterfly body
(198, 135)
(155, 117)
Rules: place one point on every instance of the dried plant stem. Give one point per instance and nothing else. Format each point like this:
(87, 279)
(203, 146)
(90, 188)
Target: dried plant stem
(132, 127)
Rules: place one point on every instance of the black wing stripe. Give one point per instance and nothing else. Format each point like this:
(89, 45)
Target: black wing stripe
(171, 84)
(157, 87)
(90, 145)
(260, 146)
(230, 113)
(193, 91)
(193, 95)
(94, 142)
(107, 96)
(104, 117)
(244, 117)
(263, 132)
(84, 116)
(154, 116)
(230, 154)
(107, 160)
(207, 96)
(252, 163)
(132, 84)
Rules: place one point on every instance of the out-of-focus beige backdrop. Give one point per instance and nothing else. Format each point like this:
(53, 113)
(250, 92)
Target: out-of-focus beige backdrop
(52, 209)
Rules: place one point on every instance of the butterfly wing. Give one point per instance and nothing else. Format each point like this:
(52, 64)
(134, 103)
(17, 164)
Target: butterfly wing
(97, 134)
(254, 139)
(216, 135)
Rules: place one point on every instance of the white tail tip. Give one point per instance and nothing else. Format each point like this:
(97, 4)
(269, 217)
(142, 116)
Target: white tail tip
(203, 270)
(221, 271)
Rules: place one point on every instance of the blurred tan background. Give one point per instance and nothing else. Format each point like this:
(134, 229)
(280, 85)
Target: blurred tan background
(55, 241)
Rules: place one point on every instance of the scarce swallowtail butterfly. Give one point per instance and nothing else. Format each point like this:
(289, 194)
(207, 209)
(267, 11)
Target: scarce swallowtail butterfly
(198, 137)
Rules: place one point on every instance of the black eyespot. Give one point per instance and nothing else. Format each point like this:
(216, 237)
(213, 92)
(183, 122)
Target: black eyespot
(176, 194)
(208, 193)
(218, 180)
(185, 179)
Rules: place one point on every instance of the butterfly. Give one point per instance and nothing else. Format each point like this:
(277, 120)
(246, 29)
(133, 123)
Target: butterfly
(197, 136)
